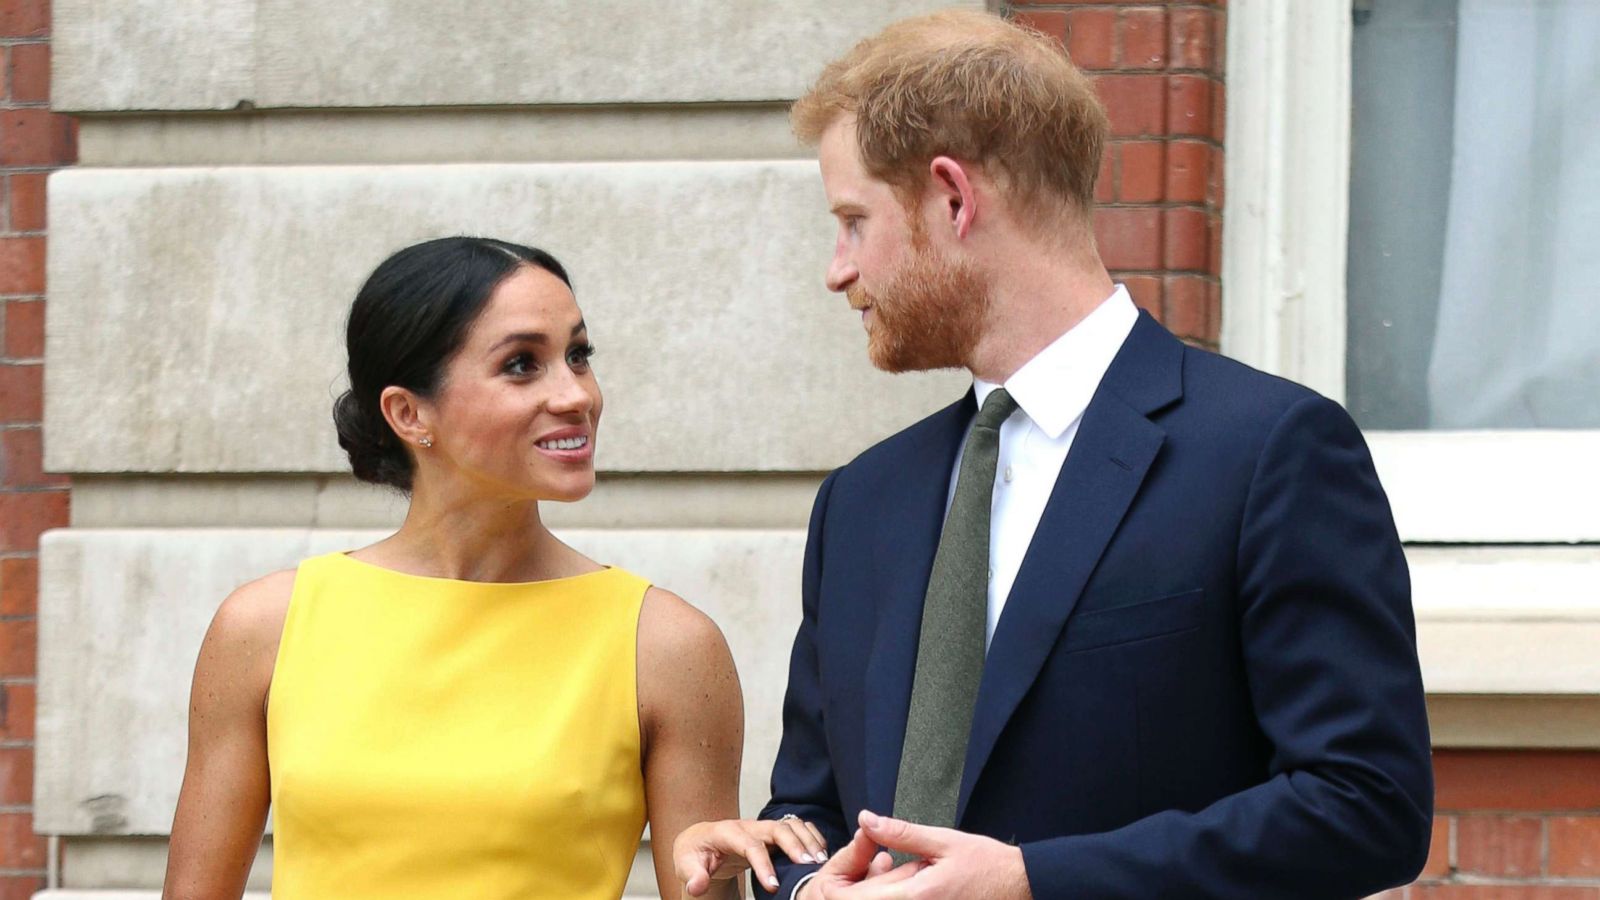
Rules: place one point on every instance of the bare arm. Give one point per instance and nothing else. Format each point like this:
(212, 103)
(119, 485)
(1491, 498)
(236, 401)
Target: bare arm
(222, 807)
(692, 715)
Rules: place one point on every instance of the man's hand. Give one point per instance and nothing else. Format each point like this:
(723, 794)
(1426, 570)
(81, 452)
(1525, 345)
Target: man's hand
(953, 864)
(857, 866)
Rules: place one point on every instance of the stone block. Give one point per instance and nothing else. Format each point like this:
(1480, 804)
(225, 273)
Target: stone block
(123, 613)
(196, 314)
(226, 54)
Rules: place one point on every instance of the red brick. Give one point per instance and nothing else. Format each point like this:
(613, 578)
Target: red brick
(1398, 893)
(1219, 112)
(24, 515)
(1144, 38)
(1214, 307)
(1105, 184)
(1214, 180)
(19, 586)
(22, 265)
(1189, 39)
(1136, 104)
(16, 712)
(20, 887)
(19, 647)
(1499, 846)
(30, 73)
(22, 460)
(1129, 238)
(1189, 105)
(1185, 303)
(20, 848)
(1143, 167)
(16, 776)
(1502, 892)
(1188, 171)
(1438, 865)
(27, 202)
(1214, 237)
(1092, 38)
(21, 393)
(1052, 23)
(24, 18)
(1517, 780)
(1146, 293)
(23, 329)
(1186, 239)
(37, 137)
(1574, 847)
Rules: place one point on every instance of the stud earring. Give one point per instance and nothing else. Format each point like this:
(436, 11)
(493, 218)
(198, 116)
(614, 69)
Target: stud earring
(426, 441)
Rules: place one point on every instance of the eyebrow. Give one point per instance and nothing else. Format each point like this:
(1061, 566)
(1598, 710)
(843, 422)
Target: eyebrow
(534, 337)
(846, 206)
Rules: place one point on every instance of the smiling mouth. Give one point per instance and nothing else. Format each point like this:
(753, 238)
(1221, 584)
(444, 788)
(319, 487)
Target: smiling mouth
(571, 443)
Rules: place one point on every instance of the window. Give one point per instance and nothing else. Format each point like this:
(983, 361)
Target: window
(1412, 191)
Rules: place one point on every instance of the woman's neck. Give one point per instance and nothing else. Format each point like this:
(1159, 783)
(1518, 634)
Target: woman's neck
(476, 537)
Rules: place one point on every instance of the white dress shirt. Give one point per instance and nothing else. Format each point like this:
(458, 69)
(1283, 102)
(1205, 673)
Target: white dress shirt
(1052, 391)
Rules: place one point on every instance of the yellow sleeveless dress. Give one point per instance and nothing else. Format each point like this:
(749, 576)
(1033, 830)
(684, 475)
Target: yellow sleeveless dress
(433, 738)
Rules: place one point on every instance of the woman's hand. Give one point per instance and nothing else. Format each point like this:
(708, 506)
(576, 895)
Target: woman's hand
(716, 851)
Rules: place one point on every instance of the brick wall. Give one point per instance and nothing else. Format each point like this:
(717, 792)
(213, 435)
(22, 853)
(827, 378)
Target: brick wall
(1159, 69)
(32, 142)
(1513, 825)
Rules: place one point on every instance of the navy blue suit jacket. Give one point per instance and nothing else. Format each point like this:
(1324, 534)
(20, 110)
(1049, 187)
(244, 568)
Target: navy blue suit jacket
(1205, 679)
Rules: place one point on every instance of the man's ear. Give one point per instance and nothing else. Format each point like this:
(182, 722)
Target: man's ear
(405, 413)
(948, 179)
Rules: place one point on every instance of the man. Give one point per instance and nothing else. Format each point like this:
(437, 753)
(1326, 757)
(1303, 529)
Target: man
(1129, 619)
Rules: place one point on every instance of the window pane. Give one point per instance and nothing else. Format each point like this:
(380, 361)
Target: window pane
(1474, 282)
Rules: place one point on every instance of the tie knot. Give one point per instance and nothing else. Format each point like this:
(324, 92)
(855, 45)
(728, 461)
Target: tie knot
(996, 409)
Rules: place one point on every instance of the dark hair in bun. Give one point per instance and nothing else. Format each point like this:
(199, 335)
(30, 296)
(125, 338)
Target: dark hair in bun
(407, 321)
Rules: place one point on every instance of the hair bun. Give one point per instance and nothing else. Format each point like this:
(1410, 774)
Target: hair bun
(376, 455)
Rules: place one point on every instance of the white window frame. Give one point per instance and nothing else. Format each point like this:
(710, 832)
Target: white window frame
(1285, 230)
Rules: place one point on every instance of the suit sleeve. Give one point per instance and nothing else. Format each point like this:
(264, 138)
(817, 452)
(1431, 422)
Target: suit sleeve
(802, 776)
(1329, 640)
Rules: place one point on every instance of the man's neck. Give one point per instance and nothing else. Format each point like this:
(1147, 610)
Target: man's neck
(1030, 306)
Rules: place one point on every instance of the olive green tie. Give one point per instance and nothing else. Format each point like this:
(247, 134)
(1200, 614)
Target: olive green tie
(950, 649)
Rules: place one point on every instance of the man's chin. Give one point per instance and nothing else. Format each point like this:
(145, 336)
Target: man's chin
(899, 362)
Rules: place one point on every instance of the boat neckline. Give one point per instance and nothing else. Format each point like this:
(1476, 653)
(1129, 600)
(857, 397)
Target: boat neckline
(463, 582)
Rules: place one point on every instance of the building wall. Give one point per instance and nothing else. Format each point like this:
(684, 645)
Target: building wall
(241, 170)
(33, 141)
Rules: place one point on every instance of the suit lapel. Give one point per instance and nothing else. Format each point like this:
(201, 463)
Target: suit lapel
(910, 522)
(1114, 448)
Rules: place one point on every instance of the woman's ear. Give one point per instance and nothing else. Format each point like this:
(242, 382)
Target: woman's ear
(949, 178)
(407, 414)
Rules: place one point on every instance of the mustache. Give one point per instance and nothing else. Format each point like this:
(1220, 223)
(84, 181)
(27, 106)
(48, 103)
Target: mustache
(858, 297)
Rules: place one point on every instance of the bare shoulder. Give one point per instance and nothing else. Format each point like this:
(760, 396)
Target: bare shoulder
(671, 626)
(243, 638)
(255, 611)
(685, 666)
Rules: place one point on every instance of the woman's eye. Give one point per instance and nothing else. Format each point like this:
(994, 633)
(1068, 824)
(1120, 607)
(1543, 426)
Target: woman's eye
(521, 364)
(578, 357)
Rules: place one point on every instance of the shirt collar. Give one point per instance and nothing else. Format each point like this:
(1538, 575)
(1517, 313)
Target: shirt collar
(1055, 387)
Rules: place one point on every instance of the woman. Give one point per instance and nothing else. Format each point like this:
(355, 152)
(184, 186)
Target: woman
(468, 707)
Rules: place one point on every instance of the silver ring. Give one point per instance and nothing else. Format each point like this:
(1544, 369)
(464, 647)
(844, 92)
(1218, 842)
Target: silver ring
(787, 816)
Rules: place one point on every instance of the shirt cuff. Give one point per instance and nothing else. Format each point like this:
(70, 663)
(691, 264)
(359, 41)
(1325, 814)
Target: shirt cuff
(800, 884)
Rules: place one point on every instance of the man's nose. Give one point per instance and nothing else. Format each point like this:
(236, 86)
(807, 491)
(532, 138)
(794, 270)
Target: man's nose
(841, 274)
